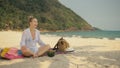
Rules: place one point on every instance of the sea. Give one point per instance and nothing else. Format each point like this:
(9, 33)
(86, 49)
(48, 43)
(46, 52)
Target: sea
(88, 34)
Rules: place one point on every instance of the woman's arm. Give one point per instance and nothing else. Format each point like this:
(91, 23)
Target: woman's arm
(24, 49)
(40, 42)
(22, 43)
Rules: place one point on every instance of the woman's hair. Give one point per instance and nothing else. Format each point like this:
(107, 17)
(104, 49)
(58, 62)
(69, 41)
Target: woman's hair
(30, 18)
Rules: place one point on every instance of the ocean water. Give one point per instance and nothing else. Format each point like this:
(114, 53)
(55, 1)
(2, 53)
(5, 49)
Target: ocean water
(88, 34)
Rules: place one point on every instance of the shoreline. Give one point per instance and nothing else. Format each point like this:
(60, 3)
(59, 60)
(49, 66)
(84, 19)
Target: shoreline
(47, 33)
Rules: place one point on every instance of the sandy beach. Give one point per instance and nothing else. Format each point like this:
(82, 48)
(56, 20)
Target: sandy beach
(89, 53)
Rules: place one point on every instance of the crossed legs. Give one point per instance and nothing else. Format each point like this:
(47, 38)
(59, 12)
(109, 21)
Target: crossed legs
(41, 50)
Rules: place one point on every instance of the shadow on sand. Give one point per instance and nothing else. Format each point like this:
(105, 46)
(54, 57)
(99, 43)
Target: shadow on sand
(104, 58)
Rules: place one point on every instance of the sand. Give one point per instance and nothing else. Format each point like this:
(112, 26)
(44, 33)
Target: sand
(89, 53)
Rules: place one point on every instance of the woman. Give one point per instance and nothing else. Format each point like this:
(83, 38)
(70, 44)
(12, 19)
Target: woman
(30, 37)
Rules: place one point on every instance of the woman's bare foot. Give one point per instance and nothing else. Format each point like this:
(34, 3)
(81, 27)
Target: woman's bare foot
(35, 56)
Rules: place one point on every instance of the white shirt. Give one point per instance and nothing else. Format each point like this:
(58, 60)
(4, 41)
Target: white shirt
(27, 40)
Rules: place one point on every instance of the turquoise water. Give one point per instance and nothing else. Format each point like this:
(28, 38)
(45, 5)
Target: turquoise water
(88, 34)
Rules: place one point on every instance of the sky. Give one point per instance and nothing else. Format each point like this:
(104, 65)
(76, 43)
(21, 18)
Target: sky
(104, 14)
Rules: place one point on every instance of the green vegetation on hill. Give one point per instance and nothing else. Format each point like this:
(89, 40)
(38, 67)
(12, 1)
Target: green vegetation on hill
(51, 15)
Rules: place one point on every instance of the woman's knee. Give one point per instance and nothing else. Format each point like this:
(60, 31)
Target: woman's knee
(23, 49)
(48, 46)
(25, 52)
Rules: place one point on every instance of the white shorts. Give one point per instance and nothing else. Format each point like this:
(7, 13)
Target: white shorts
(34, 49)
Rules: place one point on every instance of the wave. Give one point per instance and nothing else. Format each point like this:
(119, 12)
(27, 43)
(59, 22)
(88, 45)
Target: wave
(91, 34)
(117, 38)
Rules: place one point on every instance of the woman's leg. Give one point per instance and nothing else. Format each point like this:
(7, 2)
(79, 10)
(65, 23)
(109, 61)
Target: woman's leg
(43, 49)
(26, 52)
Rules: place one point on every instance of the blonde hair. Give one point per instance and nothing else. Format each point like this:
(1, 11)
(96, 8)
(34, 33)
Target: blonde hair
(30, 18)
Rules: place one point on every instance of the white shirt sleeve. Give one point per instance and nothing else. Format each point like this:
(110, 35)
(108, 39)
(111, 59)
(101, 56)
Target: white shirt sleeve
(40, 42)
(22, 43)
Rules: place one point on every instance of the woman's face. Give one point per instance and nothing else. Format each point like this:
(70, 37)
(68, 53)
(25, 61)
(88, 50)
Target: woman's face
(34, 23)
